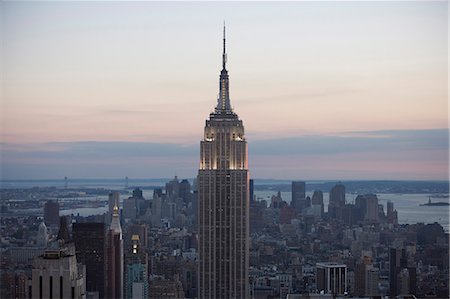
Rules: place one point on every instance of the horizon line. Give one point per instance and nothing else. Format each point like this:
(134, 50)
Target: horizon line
(271, 179)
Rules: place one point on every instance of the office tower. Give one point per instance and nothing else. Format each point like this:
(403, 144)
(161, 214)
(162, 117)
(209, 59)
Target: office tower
(372, 280)
(390, 207)
(223, 193)
(141, 205)
(397, 259)
(90, 245)
(129, 208)
(156, 210)
(173, 188)
(317, 199)
(331, 278)
(371, 214)
(42, 236)
(392, 216)
(367, 206)
(114, 261)
(366, 278)
(360, 277)
(298, 195)
(185, 190)
(136, 269)
(347, 214)
(51, 213)
(56, 274)
(137, 193)
(360, 208)
(399, 282)
(337, 200)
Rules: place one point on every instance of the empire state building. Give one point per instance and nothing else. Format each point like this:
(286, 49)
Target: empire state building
(223, 190)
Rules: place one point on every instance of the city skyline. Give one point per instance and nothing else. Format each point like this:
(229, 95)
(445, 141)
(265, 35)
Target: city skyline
(328, 90)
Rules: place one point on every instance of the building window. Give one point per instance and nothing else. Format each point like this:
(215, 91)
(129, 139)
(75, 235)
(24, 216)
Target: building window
(40, 287)
(61, 289)
(51, 287)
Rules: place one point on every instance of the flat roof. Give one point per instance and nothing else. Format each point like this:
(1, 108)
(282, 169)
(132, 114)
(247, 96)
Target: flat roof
(330, 265)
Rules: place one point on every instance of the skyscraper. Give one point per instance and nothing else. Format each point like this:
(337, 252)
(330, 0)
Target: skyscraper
(136, 269)
(56, 274)
(392, 217)
(337, 201)
(366, 278)
(298, 195)
(317, 199)
(371, 214)
(89, 239)
(223, 193)
(367, 206)
(129, 208)
(185, 190)
(402, 277)
(173, 188)
(331, 278)
(51, 213)
(114, 261)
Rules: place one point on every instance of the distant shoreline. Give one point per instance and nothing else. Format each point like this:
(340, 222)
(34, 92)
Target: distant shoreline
(434, 188)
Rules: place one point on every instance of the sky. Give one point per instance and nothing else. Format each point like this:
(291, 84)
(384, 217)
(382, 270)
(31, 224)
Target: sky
(326, 90)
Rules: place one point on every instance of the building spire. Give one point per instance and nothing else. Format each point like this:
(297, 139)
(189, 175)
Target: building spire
(115, 222)
(224, 55)
(223, 102)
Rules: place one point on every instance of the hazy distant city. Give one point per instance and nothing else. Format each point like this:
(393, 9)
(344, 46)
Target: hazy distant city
(295, 229)
(123, 177)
